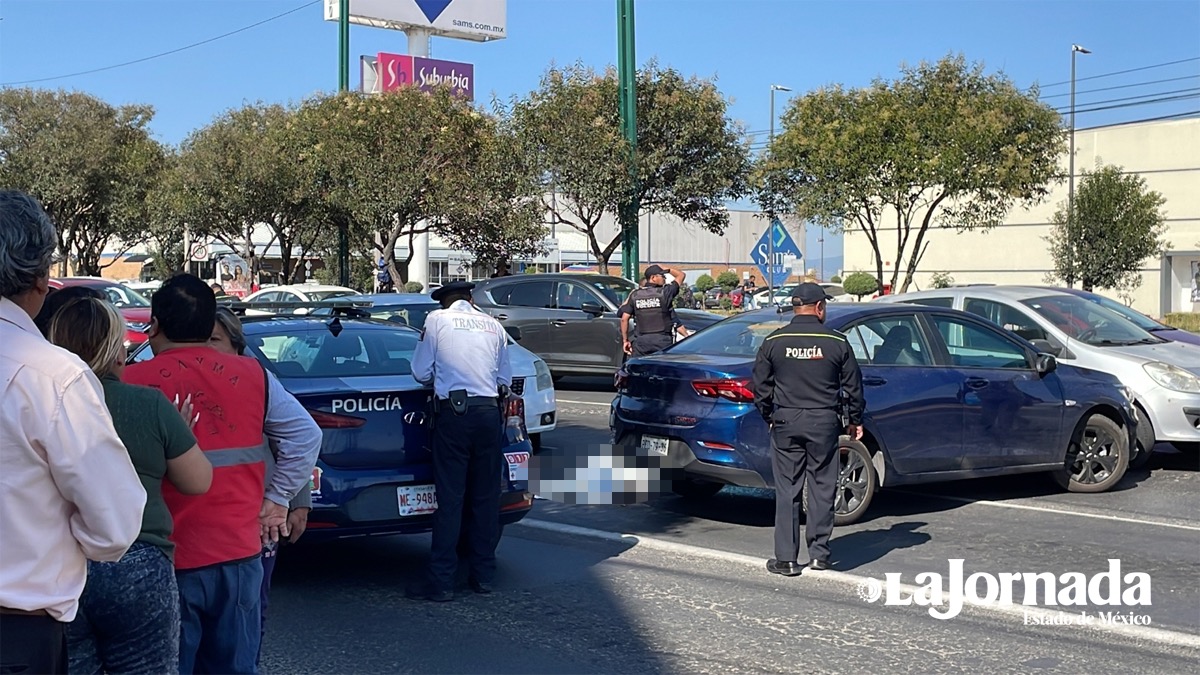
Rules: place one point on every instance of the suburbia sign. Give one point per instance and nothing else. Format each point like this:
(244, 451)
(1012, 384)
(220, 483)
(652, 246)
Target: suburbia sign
(398, 70)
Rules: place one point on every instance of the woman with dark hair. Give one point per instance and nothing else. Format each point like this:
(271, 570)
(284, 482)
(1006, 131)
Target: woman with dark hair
(57, 299)
(229, 337)
(128, 619)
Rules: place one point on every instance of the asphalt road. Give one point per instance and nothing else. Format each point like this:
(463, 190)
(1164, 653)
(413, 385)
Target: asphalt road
(677, 586)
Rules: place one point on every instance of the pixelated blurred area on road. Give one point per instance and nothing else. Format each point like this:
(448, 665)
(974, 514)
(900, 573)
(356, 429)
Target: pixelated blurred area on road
(596, 474)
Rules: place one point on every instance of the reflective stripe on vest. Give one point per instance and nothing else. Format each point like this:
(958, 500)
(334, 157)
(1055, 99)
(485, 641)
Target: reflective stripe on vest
(230, 393)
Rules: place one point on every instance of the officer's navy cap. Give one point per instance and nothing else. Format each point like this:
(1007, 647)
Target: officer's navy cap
(653, 270)
(809, 294)
(452, 287)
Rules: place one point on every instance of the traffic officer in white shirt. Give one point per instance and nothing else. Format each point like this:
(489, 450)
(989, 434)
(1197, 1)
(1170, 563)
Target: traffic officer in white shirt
(70, 492)
(464, 354)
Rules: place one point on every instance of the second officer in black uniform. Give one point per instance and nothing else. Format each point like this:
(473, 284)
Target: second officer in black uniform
(799, 373)
(651, 307)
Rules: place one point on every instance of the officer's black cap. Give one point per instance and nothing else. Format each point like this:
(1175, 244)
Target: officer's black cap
(809, 294)
(653, 270)
(453, 287)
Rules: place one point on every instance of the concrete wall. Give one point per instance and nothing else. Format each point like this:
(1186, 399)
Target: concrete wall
(1166, 154)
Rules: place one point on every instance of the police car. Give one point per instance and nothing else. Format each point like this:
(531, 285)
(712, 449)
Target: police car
(354, 376)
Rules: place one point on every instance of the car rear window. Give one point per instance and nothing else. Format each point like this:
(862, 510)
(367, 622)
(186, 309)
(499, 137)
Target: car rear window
(318, 353)
(405, 315)
(740, 336)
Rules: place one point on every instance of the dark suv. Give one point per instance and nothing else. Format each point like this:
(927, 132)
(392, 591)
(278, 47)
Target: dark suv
(570, 320)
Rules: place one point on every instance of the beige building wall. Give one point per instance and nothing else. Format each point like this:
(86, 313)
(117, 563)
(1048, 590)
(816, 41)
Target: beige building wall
(1166, 154)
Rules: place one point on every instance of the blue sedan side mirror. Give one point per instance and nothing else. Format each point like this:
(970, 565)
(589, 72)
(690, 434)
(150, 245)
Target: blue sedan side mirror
(1045, 364)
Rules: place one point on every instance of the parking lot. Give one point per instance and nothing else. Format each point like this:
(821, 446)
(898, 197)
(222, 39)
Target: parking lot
(688, 592)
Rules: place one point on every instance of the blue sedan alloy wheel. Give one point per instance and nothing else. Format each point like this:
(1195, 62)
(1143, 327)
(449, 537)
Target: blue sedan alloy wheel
(1097, 458)
(856, 483)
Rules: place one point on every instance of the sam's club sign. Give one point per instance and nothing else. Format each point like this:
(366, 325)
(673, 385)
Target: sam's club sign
(387, 72)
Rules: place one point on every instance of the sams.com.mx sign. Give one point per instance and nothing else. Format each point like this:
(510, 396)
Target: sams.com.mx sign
(778, 243)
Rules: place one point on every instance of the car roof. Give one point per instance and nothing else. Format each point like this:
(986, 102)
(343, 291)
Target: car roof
(396, 298)
(838, 312)
(308, 287)
(549, 275)
(1005, 292)
(256, 325)
(85, 281)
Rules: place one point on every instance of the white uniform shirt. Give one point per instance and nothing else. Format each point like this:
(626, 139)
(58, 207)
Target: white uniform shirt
(68, 490)
(462, 348)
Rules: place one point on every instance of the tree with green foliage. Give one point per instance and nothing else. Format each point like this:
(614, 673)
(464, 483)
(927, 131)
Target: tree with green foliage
(89, 163)
(727, 280)
(859, 284)
(408, 162)
(704, 283)
(1118, 225)
(941, 280)
(835, 279)
(944, 146)
(414, 287)
(691, 157)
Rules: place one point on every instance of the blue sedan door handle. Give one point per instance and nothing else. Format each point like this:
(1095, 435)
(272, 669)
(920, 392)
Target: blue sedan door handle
(977, 383)
(873, 381)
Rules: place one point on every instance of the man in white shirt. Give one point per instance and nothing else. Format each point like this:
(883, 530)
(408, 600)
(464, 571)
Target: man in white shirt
(464, 354)
(68, 490)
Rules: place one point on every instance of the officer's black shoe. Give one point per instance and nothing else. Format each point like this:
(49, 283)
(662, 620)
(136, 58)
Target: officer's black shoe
(818, 564)
(480, 587)
(787, 569)
(427, 592)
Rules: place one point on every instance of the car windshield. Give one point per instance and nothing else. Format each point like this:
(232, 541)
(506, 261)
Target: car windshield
(313, 351)
(615, 289)
(1089, 322)
(1137, 318)
(123, 298)
(328, 295)
(736, 336)
(413, 315)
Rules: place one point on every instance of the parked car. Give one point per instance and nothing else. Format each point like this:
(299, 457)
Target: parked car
(569, 320)
(295, 293)
(1163, 375)
(1140, 320)
(713, 297)
(134, 308)
(374, 475)
(949, 396)
(531, 375)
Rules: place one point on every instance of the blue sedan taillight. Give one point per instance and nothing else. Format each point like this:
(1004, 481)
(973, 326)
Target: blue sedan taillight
(737, 391)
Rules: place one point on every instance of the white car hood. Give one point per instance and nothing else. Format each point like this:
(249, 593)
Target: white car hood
(1175, 353)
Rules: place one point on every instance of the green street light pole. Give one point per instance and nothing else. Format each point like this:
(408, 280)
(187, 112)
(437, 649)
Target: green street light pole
(343, 86)
(627, 69)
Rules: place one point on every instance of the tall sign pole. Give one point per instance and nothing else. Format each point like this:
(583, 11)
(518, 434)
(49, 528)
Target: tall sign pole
(627, 69)
(343, 86)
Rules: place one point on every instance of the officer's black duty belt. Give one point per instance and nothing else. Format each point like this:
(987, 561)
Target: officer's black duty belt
(475, 400)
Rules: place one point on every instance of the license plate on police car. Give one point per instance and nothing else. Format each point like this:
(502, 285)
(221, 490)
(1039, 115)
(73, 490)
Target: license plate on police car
(656, 445)
(415, 500)
(518, 465)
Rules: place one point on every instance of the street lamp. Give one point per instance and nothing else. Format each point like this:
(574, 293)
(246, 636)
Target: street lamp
(771, 225)
(1075, 49)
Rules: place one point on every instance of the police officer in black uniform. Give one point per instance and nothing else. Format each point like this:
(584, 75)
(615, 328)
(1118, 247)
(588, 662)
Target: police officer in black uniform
(652, 307)
(800, 373)
(463, 353)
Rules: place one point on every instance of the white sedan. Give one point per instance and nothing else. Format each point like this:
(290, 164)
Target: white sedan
(295, 293)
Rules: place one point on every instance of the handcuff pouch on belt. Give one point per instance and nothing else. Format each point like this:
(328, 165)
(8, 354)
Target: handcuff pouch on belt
(458, 401)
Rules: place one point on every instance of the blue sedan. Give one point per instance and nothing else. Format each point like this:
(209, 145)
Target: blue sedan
(949, 396)
(354, 376)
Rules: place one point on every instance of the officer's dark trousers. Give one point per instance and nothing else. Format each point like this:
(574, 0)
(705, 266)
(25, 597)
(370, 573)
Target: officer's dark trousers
(644, 345)
(466, 467)
(805, 446)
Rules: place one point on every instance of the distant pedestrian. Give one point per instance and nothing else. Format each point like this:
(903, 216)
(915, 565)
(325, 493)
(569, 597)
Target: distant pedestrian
(501, 270)
(69, 492)
(651, 307)
(750, 289)
(800, 373)
(229, 338)
(463, 353)
(128, 619)
(219, 536)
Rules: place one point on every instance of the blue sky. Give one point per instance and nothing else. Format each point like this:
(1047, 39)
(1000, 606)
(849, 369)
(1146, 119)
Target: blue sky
(746, 44)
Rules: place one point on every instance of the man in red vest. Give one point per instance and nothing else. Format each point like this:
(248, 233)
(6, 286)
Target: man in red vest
(219, 535)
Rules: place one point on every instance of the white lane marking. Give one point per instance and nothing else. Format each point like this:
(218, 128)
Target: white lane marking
(563, 400)
(1160, 635)
(1062, 512)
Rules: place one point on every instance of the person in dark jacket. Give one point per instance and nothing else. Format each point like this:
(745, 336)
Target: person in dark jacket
(652, 307)
(800, 374)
